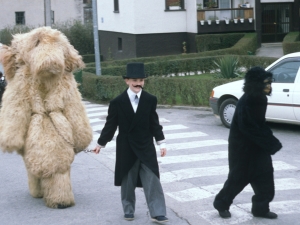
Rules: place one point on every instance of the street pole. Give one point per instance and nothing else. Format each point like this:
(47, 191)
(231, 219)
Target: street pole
(47, 6)
(96, 38)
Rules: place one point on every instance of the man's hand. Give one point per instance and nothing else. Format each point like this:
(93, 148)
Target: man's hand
(97, 149)
(163, 152)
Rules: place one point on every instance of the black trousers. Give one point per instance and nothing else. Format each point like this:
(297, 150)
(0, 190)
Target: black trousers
(262, 185)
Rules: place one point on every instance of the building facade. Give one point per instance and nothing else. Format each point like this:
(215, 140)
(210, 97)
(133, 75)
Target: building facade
(142, 28)
(32, 12)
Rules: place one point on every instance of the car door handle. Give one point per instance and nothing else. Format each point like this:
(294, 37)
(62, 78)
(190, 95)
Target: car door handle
(286, 90)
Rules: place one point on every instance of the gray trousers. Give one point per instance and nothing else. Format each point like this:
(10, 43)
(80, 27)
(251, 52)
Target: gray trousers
(152, 189)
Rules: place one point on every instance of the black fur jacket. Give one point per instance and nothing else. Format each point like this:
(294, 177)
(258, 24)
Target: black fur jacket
(251, 141)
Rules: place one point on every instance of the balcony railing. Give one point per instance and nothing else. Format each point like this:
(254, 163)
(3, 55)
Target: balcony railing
(222, 14)
(217, 20)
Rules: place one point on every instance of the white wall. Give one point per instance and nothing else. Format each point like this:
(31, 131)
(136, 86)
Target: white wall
(191, 16)
(67, 10)
(144, 17)
(34, 11)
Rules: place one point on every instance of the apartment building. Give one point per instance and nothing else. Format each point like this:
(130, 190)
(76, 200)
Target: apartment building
(141, 28)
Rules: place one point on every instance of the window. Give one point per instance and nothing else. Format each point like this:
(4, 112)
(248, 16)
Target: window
(116, 5)
(174, 4)
(286, 72)
(88, 15)
(20, 18)
(120, 47)
(52, 17)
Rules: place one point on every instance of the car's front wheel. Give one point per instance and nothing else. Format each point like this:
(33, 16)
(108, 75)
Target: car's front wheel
(227, 109)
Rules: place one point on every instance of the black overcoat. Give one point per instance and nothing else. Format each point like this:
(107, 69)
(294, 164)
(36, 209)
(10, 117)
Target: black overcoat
(251, 141)
(136, 132)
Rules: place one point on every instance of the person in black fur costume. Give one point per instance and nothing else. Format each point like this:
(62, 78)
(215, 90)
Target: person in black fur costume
(251, 144)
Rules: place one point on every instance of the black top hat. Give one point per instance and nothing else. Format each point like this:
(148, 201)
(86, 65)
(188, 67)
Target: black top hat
(135, 71)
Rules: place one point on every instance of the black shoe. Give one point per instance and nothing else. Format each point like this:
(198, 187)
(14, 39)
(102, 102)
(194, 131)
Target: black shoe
(61, 206)
(160, 219)
(129, 217)
(224, 213)
(269, 215)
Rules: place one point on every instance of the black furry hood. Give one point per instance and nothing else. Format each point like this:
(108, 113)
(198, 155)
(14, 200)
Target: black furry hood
(254, 81)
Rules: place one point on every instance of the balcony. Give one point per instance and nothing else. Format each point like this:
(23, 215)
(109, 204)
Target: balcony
(225, 20)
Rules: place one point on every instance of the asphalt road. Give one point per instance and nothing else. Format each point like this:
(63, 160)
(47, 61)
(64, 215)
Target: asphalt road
(191, 174)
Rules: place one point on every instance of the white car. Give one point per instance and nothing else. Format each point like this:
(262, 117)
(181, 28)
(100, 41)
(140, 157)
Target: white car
(283, 104)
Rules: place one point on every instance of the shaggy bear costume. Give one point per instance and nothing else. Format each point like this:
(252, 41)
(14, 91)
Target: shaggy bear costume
(42, 115)
(251, 144)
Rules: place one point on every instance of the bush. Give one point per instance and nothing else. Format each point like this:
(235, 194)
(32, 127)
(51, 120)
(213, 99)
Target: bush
(291, 43)
(80, 35)
(228, 67)
(169, 90)
(7, 33)
(209, 42)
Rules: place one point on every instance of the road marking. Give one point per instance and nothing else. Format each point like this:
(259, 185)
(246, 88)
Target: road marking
(198, 193)
(96, 109)
(238, 216)
(96, 120)
(98, 127)
(163, 120)
(194, 144)
(93, 105)
(97, 114)
(194, 157)
(184, 135)
(182, 174)
(241, 213)
(174, 127)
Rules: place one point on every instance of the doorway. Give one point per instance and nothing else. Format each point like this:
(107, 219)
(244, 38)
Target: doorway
(276, 21)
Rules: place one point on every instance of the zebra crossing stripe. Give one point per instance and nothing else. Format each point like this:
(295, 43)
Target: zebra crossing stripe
(97, 127)
(194, 144)
(96, 109)
(174, 127)
(238, 216)
(93, 105)
(184, 135)
(163, 120)
(280, 207)
(241, 213)
(97, 114)
(193, 157)
(96, 120)
(198, 193)
(182, 174)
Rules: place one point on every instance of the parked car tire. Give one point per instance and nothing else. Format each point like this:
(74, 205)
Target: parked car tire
(226, 112)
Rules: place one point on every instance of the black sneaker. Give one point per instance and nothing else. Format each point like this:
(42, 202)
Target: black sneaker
(224, 213)
(269, 215)
(129, 217)
(61, 206)
(160, 219)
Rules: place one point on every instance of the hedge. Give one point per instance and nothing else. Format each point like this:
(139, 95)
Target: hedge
(169, 90)
(186, 66)
(247, 43)
(291, 43)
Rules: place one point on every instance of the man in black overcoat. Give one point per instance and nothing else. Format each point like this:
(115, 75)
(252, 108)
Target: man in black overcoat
(251, 144)
(134, 114)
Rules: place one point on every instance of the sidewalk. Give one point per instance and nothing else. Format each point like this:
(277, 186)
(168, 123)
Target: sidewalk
(270, 50)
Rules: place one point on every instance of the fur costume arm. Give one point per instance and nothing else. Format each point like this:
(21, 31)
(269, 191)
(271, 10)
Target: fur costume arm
(7, 58)
(77, 117)
(15, 113)
(252, 123)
